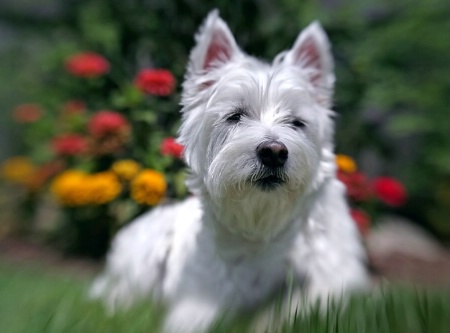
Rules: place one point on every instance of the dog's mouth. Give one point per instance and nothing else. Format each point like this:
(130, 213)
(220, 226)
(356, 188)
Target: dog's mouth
(269, 182)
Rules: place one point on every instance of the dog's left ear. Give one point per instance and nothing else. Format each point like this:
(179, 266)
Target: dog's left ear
(215, 45)
(311, 52)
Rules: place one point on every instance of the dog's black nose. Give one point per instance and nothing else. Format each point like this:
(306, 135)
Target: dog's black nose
(272, 153)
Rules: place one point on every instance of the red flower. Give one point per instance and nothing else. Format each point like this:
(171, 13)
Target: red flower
(44, 173)
(106, 122)
(390, 191)
(358, 187)
(155, 82)
(87, 64)
(361, 219)
(27, 113)
(74, 107)
(69, 144)
(169, 147)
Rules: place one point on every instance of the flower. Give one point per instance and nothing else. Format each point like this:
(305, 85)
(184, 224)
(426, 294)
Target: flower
(357, 185)
(169, 147)
(69, 188)
(390, 191)
(74, 107)
(87, 64)
(126, 169)
(106, 122)
(148, 187)
(69, 144)
(43, 173)
(103, 187)
(76, 188)
(158, 82)
(361, 219)
(109, 130)
(345, 163)
(17, 170)
(27, 113)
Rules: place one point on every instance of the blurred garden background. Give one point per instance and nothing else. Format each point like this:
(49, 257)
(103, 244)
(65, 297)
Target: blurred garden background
(89, 93)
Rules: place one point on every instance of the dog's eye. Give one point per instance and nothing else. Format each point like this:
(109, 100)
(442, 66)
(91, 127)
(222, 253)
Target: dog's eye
(235, 117)
(297, 123)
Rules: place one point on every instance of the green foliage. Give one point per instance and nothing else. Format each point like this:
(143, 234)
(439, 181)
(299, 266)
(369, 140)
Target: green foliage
(37, 301)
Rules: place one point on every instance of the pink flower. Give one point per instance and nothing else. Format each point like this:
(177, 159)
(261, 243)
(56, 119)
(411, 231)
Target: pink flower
(390, 191)
(69, 144)
(107, 122)
(169, 147)
(158, 82)
(361, 219)
(357, 185)
(87, 64)
(27, 113)
(74, 107)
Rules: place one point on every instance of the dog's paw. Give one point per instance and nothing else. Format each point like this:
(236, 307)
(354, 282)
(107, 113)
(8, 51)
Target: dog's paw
(190, 316)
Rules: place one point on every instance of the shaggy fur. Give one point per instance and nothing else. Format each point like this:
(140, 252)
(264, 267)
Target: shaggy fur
(251, 221)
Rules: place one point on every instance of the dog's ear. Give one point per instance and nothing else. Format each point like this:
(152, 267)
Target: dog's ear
(215, 45)
(311, 52)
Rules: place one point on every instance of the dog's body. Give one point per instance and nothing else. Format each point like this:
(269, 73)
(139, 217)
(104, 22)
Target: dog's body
(258, 141)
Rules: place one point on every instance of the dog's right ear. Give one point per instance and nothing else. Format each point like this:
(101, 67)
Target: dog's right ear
(215, 45)
(311, 52)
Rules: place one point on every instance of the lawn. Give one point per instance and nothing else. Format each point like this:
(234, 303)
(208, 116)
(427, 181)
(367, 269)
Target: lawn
(34, 300)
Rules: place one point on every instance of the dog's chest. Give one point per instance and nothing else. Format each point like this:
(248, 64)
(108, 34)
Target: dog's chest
(256, 277)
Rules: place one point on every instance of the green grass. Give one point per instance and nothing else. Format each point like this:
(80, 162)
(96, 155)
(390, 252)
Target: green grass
(33, 300)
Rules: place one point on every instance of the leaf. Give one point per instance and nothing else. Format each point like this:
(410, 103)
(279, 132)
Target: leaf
(407, 124)
(147, 116)
(97, 26)
(179, 180)
(125, 211)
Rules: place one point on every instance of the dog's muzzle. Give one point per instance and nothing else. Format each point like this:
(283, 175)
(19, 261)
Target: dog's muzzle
(273, 156)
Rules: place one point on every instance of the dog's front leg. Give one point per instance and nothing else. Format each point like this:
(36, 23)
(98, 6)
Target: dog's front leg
(191, 315)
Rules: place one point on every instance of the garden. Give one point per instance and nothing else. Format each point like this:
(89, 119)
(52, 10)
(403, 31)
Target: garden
(90, 94)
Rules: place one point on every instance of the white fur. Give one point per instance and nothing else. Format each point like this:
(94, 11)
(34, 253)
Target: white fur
(232, 244)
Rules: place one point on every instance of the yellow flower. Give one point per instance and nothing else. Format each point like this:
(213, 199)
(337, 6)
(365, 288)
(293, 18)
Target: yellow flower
(70, 188)
(148, 187)
(126, 169)
(345, 163)
(103, 187)
(17, 170)
(76, 188)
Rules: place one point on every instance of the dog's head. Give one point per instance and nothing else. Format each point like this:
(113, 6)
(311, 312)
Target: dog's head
(255, 133)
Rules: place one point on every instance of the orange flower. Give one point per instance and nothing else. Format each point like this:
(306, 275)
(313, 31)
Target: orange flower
(148, 187)
(27, 113)
(126, 169)
(69, 188)
(76, 188)
(17, 170)
(345, 163)
(103, 187)
(158, 82)
(87, 64)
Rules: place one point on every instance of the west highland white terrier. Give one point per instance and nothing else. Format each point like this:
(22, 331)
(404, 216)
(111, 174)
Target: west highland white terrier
(258, 141)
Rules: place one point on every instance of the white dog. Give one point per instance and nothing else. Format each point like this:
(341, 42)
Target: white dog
(258, 141)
